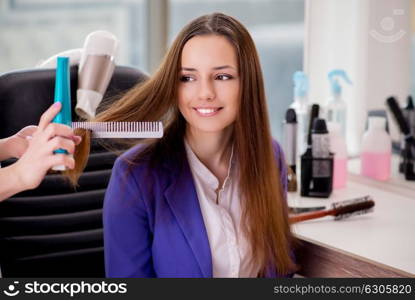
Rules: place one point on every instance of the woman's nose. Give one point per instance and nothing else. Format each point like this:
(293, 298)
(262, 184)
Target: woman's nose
(206, 90)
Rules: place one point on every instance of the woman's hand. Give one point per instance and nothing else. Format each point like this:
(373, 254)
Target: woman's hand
(38, 156)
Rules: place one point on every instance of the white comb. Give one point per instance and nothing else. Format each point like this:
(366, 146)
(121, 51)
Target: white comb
(119, 130)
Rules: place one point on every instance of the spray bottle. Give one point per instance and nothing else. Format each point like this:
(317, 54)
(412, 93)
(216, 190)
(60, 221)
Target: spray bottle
(336, 108)
(338, 147)
(301, 107)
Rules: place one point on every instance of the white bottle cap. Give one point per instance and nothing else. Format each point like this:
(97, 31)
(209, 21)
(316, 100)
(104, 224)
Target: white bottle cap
(59, 168)
(377, 123)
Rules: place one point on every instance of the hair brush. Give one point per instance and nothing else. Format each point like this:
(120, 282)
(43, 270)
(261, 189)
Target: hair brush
(340, 210)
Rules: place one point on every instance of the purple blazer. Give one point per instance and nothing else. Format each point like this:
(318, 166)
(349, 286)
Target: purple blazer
(153, 225)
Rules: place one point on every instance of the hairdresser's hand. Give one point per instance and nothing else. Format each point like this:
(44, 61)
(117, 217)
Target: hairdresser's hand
(17, 144)
(38, 158)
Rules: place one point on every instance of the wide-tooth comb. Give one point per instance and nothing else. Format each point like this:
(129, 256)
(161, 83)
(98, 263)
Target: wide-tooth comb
(340, 210)
(119, 130)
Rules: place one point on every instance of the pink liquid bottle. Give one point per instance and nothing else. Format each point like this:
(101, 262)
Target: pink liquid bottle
(376, 150)
(338, 147)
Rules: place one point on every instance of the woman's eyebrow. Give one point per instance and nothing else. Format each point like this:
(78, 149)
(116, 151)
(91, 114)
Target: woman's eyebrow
(214, 68)
(223, 67)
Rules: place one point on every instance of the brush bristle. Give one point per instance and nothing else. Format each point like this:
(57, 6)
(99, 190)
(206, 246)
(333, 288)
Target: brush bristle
(353, 207)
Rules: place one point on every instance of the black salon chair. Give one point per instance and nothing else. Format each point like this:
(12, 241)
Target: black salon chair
(54, 230)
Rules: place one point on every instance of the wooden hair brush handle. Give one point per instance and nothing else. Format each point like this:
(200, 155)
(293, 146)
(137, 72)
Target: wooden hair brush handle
(310, 215)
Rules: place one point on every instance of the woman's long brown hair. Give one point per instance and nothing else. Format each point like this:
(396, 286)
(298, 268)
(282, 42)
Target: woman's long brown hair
(263, 203)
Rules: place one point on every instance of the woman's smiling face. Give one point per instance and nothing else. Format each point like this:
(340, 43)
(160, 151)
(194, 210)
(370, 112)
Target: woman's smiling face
(208, 91)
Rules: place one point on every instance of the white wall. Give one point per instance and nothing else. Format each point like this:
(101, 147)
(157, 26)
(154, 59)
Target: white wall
(370, 40)
(389, 54)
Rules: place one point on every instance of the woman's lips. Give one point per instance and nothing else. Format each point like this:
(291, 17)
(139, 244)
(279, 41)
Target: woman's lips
(207, 111)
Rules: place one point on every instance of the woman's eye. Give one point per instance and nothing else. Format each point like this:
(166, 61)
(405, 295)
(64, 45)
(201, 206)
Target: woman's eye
(224, 77)
(186, 78)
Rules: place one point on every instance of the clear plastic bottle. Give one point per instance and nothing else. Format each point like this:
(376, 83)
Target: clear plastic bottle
(339, 148)
(376, 150)
(336, 107)
(301, 107)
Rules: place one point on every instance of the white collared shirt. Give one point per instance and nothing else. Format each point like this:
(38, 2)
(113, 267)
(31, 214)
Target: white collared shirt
(231, 252)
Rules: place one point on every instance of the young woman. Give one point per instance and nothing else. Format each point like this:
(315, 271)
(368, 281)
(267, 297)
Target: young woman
(208, 199)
